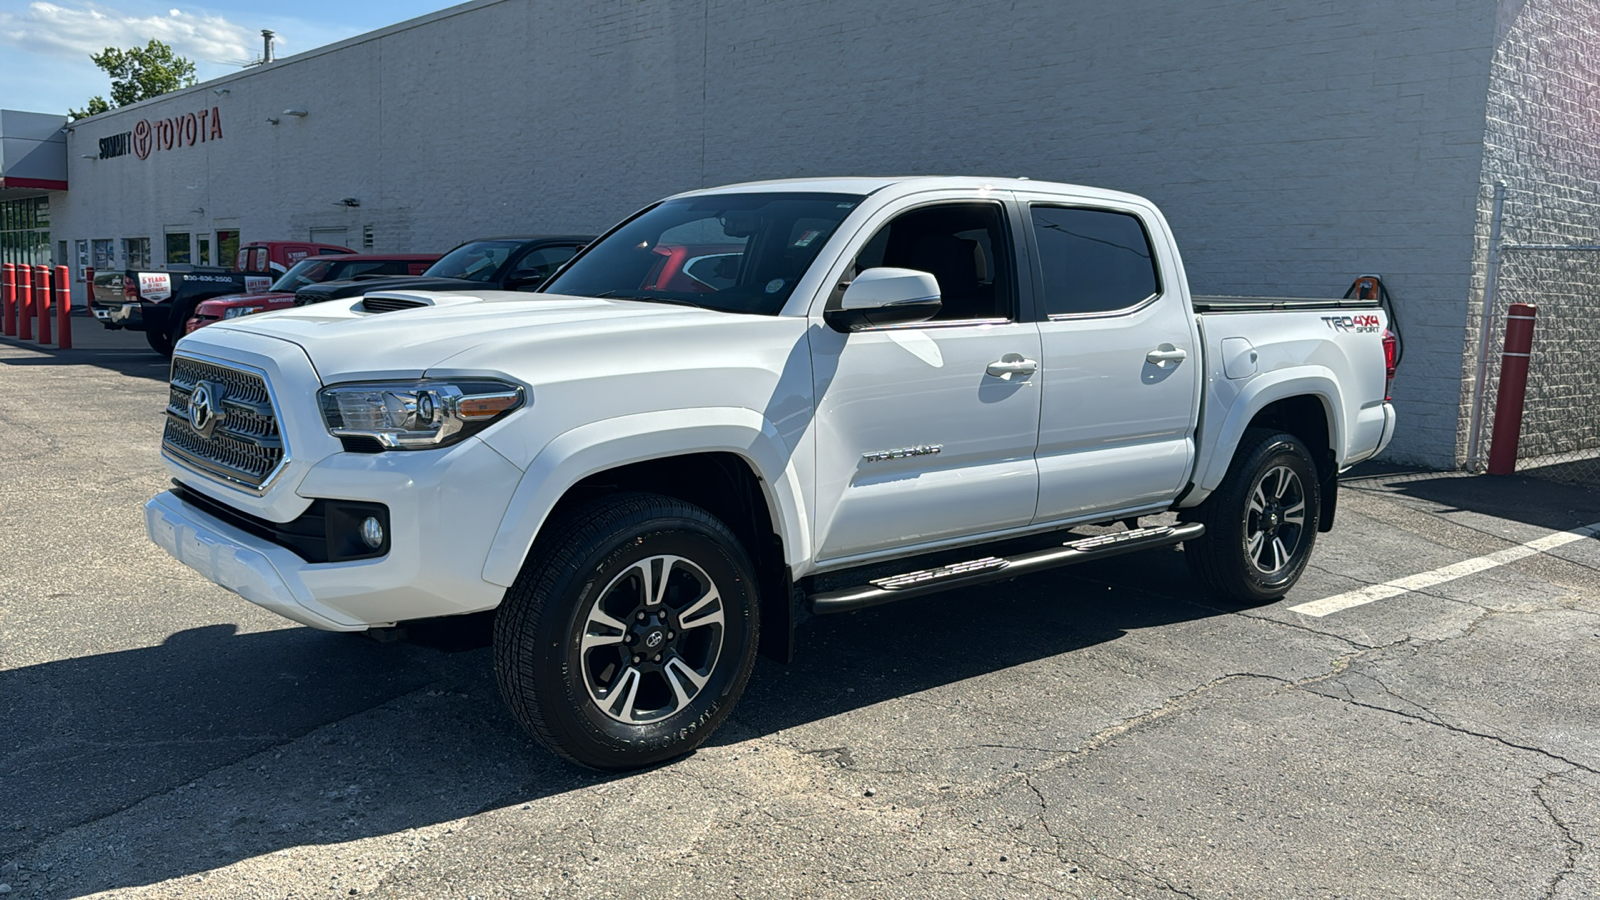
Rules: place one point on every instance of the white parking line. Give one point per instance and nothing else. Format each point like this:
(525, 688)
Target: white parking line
(1451, 572)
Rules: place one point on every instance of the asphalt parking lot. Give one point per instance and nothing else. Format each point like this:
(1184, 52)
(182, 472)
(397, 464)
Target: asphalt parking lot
(1417, 719)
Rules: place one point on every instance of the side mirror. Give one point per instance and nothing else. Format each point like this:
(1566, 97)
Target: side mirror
(885, 296)
(523, 282)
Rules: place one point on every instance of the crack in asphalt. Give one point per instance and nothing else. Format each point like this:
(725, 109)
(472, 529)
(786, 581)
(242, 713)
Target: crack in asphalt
(1575, 847)
(1435, 721)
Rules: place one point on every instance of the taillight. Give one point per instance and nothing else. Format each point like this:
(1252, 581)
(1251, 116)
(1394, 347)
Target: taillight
(130, 289)
(1390, 355)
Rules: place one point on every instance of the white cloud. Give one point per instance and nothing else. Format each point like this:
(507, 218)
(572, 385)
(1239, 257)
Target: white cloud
(77, 31)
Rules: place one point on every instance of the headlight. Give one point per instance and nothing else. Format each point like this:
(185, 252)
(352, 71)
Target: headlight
(234, 312)
(416, 415)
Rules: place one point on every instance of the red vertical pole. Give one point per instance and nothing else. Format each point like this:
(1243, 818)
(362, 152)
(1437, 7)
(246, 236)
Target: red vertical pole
(8, 299)
(1513, 386)
(25, 302)
(63, 308)
(41, 300)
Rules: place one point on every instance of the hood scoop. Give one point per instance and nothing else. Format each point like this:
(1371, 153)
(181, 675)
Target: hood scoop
(391, 301)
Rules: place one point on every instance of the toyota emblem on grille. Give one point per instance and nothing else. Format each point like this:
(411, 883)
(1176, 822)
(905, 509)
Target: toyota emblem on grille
(205, 408)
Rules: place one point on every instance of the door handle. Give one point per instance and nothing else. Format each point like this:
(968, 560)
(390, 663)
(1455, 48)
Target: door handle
(1012, 364)
(1166, 353)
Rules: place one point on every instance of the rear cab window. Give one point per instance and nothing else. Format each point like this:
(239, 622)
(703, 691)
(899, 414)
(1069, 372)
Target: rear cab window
(1093, 261)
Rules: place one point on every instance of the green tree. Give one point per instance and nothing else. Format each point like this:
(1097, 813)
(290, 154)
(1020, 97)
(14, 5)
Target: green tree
(138, 73)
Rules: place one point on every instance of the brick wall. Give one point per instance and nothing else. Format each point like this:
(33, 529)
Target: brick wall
(1543, 141)
(1293, 145)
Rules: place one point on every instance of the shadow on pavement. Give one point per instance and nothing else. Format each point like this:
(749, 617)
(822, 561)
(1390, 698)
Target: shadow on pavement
(124, 352)
(1519, 498)
(409, 734)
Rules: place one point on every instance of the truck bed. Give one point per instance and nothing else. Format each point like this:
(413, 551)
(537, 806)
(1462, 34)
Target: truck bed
(1225, 303)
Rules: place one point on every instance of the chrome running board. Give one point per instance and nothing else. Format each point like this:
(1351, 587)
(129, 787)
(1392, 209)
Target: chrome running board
(997, 568)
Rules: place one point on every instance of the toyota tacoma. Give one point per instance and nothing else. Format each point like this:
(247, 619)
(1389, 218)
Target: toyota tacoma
(747, 404)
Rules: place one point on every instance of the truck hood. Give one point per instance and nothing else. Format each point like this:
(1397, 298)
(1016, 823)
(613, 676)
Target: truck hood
(345, 342)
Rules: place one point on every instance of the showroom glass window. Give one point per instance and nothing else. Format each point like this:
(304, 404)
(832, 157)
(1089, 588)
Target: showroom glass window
(137, 252)
(178, 249)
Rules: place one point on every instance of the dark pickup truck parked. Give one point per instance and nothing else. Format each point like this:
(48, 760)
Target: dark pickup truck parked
(312, 270)
(492, 264)
(160, 303)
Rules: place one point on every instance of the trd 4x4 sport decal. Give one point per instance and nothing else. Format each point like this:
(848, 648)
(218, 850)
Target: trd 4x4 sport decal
(1353, 323)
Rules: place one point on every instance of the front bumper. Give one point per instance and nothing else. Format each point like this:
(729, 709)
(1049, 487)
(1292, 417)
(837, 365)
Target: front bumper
(444, 509)
(261, 572)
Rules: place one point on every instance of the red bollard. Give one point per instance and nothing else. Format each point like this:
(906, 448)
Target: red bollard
(24, 302)
(41, 300)
(8, 299)
(1513, 385)
(63, 308)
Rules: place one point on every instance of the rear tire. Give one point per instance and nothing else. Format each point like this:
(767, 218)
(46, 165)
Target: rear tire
(630, 632)
(159, 341)
(1261, 522)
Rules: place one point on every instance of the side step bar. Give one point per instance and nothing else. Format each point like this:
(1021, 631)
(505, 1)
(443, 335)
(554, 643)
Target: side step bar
(996, 568)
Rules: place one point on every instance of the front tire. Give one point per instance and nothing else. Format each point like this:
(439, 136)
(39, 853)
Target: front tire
(630, 632)
(1261, 522)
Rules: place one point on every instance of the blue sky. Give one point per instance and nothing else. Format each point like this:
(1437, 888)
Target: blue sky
(45, 44)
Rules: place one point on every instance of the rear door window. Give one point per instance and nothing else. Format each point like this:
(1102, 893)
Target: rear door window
(1093, 260)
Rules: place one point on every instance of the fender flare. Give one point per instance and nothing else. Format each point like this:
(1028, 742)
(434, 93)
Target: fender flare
(595, 447)
(1315, 381)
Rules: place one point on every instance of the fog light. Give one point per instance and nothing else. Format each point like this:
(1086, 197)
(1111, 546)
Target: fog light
(372, 533)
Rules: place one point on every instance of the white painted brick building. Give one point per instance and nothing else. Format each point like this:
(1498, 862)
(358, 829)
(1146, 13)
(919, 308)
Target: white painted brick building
(1293, 145)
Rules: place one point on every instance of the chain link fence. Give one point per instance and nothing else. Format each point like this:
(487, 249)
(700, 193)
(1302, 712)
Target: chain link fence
(1561, 414)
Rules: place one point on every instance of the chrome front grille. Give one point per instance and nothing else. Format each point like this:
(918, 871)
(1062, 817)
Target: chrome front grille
(239, 441)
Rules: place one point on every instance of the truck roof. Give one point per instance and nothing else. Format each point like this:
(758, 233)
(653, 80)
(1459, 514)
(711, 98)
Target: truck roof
(910, 183)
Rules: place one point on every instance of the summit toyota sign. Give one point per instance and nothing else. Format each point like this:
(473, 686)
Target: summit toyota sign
(152, 135)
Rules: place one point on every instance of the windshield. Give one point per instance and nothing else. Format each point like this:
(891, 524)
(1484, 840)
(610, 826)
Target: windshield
(477, 261)
(731, 252)
(311, 270)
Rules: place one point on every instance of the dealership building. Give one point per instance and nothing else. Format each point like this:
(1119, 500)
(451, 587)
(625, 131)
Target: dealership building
(1293, 146)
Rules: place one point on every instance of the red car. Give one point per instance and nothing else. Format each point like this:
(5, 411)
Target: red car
(311, 270)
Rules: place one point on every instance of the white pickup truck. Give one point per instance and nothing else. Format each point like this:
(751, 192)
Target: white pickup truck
(752, 402)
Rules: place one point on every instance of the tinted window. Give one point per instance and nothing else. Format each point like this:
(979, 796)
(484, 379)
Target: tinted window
(543, 261)
(1094, 260)
(961, 245)
(738, 252)
(477, 261)
(302, 273)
